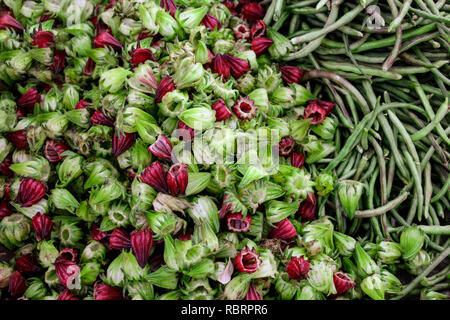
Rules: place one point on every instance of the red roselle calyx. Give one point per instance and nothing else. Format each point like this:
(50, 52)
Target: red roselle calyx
(238, 66)
(297, 159)
(43, 39)
(221, 66)
(252, 294)
(66, 295)
(342, 282)
(169, 6)
(183, 126)
(30, 192)
(315, 112)
(27, 264)
(17, 284)
(155, 176)
(161, 148)
(69, 254)
(185, 236)
(89, 67)
(42, 226)
(141, 243)
(241, 31)
(283, 230)
(8, 22)
(18, 139)
(230, 6)
(297, 268)
(261, 44)
(177, 179)
(119, 240)
(286, 146)
(53, 150)
(291, 74)
(247, 261)
(222, 111)
(225, 208)
(211, 22)
(4, 166)
(244, 108)
(104, 39)
(105, 292)
(99, 118)
(4, 209)
(308, 206)
(258, 29)
(59, 61)
(82, 104)
(165, 86)
(122, 142)
(236, 223)
(140, 55)
(98, 234)
(29, 99)
(253, 11)
(325, 105)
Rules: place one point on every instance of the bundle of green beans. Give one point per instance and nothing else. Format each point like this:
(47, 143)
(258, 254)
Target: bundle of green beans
(385, 65)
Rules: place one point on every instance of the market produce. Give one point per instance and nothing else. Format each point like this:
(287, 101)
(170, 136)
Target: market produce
(206, 149)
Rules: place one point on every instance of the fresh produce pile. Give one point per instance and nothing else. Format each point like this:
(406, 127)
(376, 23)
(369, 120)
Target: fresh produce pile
(200, 149)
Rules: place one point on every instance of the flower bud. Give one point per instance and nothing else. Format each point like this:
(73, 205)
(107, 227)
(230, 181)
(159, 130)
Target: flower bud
(197, 182)
(28, 100)
(106, 292)
(68, 272)
(113, 80)
(53, 150)
(162, 224)
(247, 261)
(27, 263)
(18, 139)
(105, 39)
(122, 142)
(154, 175)
(391, 283)
(418, 264)
(307, 292)
(177, 179)
(191, 18)
(36, 290)
(42, 226)
(70, 234)
(17, 284)
(291, 74)
(59, 61)
(366, 265)
(63, 199)
(89, 273)
(162, 148)
(141, 243)
(350, 192)
(14, 229)
(211, 22)
(373, 287)
(283, 230)
(8, 22)
(320, 277)
(119, 240)
(344, 243)
(324, 184)
(99, 118)
(69, 169)
(47, 253)
(94, 251)
(252, 293)
(198, 118)
(221, 110)
(389, 252)
(261, 44)
(411, 241)
(299, 129)
(165, 86)
(279, 210)
(284, 287)
(253, 11)
(30, 192)
(188, 74)
(238, 287)
(238, 66)
(298, 268)
(342, 282)
(281, 45)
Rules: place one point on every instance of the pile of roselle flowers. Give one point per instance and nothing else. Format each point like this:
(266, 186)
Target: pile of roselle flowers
(97, 199)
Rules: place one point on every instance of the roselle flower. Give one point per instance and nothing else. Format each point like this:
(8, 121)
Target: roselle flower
(221, 109)
(161, 148)
(141, 243)
(97, 234)
(238, 66)
(105, 39)
(285, 146)
(4, 209)
(66, 270)
(27, 263)
(66, 295)
(253, 11)
(252, 294)
(291, 74)
(261, 44)
(99, 118)
(8, 22)
(140, 55)
(43, 39)
(297, 268)
(59, 61)
(308, 207)
(165, 86)
(247, 261)
(30, 192)
(325, 105)
(183, 126)
(29, 99)
(283, 230)
(89, 67)
(4, 166)
(258, 29)
(342, 282)
(241, 31)
(105, 292)
(122, 142)
(53, 150)
(244, 108)
(119, 240)
(297, 159)
(42, 226)
(177, 179)
(350, 192)
(155, 176)
(221, 66)
(18, 139)
(315, 112)
(211, 22)
(17, 284)
(236, 223)
(169, 6)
